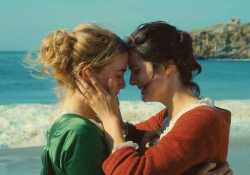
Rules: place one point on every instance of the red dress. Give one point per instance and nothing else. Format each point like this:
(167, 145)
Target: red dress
(199, 136)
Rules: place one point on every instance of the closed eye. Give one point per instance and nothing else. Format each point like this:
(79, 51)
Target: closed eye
(137, 71)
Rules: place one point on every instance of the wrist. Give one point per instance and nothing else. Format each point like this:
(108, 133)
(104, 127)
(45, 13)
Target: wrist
(110, 119)
(113, 133)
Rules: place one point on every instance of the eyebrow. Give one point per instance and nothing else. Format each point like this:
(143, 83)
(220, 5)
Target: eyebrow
(133, 66)
(122, 70)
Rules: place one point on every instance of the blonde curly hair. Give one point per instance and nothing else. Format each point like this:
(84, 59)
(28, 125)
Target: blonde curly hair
(63, 55)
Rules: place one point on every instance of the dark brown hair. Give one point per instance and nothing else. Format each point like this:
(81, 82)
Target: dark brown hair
(159, 42)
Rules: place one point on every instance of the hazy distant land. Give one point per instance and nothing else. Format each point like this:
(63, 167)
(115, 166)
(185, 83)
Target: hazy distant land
(226, 41)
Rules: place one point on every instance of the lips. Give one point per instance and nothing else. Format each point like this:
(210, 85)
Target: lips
(142, 88)
(116, 93)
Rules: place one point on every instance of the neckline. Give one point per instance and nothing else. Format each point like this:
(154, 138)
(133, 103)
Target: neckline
(60, 113)
(201, 102)
(70, 115)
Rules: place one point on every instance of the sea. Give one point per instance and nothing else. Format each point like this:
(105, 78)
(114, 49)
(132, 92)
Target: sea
(27, 103)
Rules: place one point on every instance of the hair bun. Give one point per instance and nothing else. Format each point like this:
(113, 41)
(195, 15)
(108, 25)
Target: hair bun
(56, 49)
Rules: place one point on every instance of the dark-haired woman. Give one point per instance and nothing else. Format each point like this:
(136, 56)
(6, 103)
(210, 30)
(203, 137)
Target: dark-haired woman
(194, 130)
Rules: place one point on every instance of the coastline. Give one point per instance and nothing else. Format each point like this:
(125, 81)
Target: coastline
(224, 59)
(198, 58)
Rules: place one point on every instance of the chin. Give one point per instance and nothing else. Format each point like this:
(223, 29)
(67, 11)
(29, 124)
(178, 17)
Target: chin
(145, 99)
(148, 99)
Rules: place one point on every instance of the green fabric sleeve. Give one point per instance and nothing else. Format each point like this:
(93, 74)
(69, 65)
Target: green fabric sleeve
(83, 151)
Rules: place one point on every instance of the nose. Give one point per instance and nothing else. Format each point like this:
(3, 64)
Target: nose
(132, 81)
(123, 85)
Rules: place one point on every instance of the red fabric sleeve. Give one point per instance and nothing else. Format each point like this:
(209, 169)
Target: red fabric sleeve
(194, 139)
(136, 132)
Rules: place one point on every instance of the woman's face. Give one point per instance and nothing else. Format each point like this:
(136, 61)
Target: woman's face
(141, 76)
(115, 71)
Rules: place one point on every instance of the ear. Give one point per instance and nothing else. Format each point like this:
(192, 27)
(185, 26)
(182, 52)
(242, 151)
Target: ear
(169, 66)
(84, 75)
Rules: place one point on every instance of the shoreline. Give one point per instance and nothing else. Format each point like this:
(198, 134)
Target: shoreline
(28, 160)
(224, 59)
(136, 101)
(21, 161)
(197, 58)
(23, 125)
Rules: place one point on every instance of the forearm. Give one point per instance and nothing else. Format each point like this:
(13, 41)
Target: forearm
(122, 123)
(179, 150)
(113, 133)
(134, 134)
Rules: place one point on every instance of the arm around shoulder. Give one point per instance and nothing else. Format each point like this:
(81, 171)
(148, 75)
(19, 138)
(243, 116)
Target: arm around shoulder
(136, 132)
(194, 138)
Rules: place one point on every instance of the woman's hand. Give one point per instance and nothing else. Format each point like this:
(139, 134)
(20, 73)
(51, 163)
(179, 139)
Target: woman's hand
(148, 139)
(224, 169)
(105, 104)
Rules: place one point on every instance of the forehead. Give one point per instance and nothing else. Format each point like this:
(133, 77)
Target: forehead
(134, 60)
(120, 63)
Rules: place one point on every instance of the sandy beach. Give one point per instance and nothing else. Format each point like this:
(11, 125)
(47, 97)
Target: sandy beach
(26, 161)
(20, 161)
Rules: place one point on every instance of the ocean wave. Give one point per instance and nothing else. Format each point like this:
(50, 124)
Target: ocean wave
(25, 125)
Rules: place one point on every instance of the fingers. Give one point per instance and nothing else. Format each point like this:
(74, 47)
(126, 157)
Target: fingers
(151, 143)
(223, 169)
(153, 134)
(158, 131)
(95, 83)
(229, 172)
(111, 88)
(80, 96)
(206, 168)
(82, 90)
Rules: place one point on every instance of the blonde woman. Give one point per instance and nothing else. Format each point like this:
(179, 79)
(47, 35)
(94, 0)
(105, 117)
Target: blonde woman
(76, 142)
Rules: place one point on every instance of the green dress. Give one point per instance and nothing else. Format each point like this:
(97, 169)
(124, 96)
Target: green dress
(75, 145)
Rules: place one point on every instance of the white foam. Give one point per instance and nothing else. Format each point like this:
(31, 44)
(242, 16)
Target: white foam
(25, 125)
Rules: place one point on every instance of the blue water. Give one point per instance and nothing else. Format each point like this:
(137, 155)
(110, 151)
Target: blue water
(219, 80)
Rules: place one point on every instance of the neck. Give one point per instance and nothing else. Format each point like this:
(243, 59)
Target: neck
(71, 102)
(178, 99)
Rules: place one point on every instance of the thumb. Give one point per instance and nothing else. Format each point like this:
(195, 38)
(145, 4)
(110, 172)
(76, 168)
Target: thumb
(111, 88)
(151, 143)
(159, 131)
(155, 133)
(206, 168)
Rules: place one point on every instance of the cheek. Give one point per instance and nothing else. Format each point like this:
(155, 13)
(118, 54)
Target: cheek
(158, 84)
(133, 76)
(104, 82)
(118, 82)
(115, 81)
(143, 78)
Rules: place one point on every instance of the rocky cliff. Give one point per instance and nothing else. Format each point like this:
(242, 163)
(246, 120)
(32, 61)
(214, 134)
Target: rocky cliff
(222, 41)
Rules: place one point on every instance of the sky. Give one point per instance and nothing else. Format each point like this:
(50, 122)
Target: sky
(24, 23)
